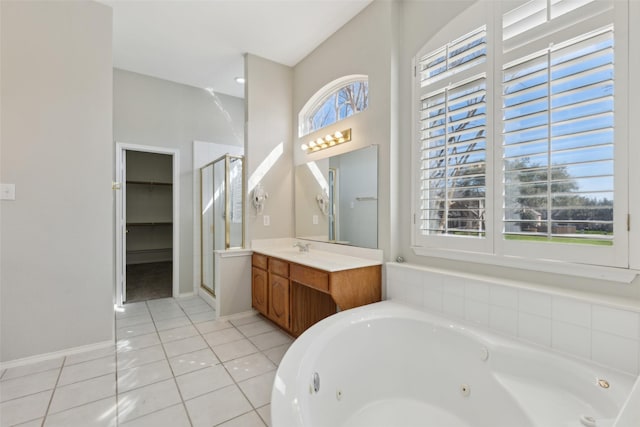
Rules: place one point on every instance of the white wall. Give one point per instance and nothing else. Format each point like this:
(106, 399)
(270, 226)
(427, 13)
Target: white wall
(155, 112)
(364, 45)
(57, 262)
(268, 147)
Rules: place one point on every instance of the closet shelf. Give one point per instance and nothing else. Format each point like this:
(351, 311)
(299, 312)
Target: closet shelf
(147, 224)
(150, 183)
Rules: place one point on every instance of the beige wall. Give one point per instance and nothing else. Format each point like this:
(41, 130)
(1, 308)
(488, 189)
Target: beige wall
(365, 45)
(160, 113)
(268, 95)
(56, 273)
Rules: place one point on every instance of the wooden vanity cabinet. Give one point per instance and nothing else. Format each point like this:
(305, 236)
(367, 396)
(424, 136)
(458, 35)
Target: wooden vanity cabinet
(259, 290)
(295, 296)
(279, 300)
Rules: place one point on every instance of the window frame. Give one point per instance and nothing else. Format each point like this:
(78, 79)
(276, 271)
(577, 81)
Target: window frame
(611, 262)
(321, 96)
(471, 22)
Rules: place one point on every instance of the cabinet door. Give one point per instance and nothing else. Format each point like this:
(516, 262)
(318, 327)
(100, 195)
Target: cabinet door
(279, 300)
(259, 290)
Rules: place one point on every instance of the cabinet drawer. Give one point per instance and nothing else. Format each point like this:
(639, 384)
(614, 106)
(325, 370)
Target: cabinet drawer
(279, 267)
(310, 277)
(259, 260)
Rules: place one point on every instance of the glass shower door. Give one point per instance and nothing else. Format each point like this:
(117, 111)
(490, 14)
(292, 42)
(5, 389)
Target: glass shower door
(222, 212)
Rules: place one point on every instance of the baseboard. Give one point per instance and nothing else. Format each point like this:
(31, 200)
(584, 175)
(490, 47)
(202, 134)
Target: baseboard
(48, 356)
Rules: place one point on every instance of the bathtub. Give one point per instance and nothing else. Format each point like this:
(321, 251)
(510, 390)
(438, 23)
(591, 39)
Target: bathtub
(389, 365)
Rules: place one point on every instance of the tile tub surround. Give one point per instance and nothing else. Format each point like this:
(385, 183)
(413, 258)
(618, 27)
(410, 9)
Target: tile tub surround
(171, 366)
(577, 324)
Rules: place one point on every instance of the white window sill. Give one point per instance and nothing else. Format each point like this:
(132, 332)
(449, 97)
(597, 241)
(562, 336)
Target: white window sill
(613, 274)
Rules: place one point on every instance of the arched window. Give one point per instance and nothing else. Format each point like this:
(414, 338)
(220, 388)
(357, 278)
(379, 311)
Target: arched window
(338, 100)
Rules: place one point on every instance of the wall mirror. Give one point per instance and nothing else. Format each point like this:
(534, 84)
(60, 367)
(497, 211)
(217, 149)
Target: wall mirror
(336, 199)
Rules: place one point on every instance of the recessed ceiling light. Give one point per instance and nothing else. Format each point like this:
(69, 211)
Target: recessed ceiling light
(240, 80)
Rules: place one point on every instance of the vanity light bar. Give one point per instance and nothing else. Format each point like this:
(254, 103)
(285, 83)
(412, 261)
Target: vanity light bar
(327, 141)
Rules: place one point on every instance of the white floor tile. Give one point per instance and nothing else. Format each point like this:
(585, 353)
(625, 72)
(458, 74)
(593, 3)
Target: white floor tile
(178, 333)
(203, 317)
(250, 419)
(96, 414)
(134, 331)
(32, 368)
(134, 309)
(133, 320)
(258, 389)
(234, 349)
(265, 414)
(129, 379)
(212, 326)
(162, 325)
(28, 384)
(187, 345)
(86, 356)
(173, 416)
(189, 301)
(133, 358)
(34, 423)
(193, 361)
(256, 328)
(249, 366)
(206, 409)
(139, 342)
(85, 370)
(276, 354)
(148, 399)
(270, 339)
(203, 381)
(222, 337)
(167, 314)
(246, 319)
(24, 409)
(83, 392)
(197, 308)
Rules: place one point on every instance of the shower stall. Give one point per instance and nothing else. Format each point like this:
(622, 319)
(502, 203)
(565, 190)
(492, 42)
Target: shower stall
(222, 214)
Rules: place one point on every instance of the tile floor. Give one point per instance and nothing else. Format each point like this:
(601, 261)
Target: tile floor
(173, 365)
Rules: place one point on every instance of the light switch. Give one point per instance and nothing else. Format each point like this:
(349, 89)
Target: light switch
(7, 191)
(315, 220)
(266, 220)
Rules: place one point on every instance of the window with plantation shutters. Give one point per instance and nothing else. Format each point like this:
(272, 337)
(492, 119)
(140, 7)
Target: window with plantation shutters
(523, 135)
(453, 169)
(558, 142)
(453, 137)
(454, 57)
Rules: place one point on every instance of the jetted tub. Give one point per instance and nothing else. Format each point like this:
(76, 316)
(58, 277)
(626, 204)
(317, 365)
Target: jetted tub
(389, 365)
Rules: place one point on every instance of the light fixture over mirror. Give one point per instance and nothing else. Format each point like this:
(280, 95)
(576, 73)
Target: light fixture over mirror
(330, 140)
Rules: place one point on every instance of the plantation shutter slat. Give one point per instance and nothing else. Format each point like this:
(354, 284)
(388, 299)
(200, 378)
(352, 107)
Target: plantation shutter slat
(558, 157)
(453, 188)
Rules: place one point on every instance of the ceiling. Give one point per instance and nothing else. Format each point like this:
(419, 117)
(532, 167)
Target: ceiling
(202, 43)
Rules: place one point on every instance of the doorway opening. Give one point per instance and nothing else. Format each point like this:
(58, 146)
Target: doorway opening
(147, 229)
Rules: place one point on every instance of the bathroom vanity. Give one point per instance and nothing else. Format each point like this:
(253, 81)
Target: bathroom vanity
(297, 289)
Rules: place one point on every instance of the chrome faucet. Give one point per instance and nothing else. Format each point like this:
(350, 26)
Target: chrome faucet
(303, 247)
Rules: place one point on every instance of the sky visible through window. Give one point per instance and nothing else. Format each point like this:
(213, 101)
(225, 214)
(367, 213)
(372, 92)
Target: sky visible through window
(339, 105)
(557, 140)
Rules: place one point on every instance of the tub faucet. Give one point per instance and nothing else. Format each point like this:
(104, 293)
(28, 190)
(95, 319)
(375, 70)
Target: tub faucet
(303, 247)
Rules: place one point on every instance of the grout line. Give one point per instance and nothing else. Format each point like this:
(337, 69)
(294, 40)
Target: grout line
(53, 392)
(173, 375)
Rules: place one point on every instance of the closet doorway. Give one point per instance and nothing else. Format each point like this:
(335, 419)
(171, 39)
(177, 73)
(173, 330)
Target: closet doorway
(147, 223)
